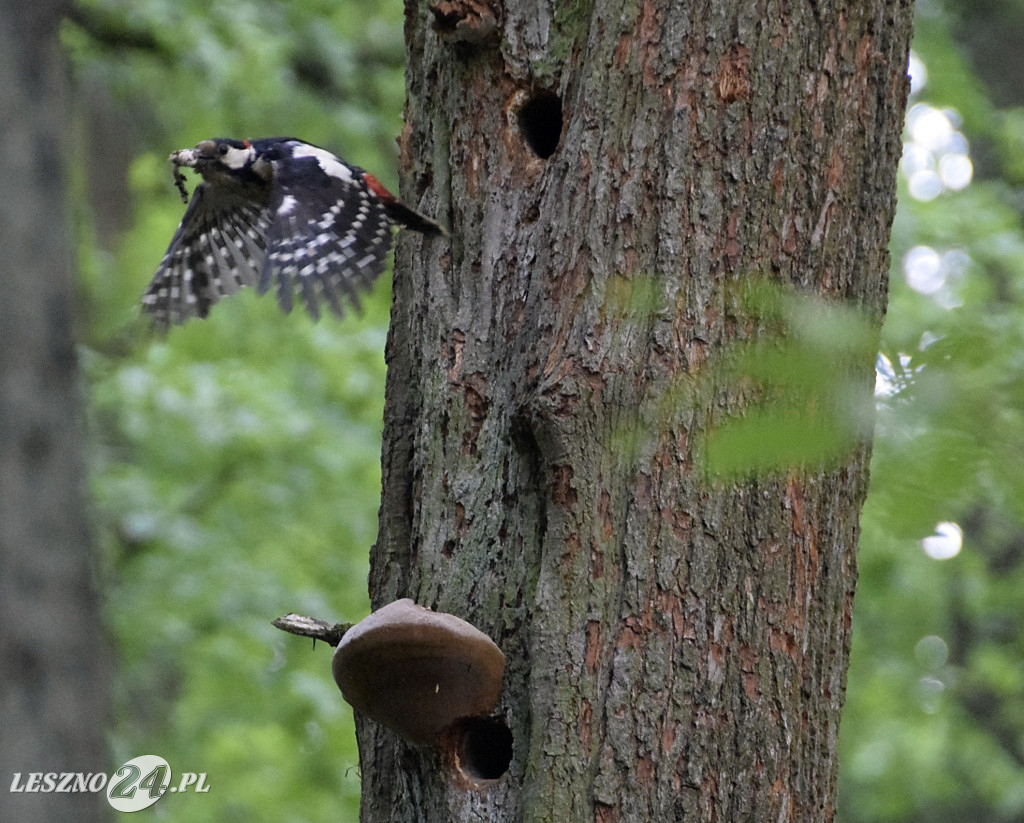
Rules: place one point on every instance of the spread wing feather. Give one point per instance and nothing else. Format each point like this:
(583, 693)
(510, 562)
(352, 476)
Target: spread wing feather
(219, 247)
(329, 237)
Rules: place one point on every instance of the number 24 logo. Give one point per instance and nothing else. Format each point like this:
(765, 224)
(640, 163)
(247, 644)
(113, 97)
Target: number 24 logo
(139, 783)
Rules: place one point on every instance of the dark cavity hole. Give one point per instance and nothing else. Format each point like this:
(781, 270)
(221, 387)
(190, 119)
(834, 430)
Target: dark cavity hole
(541, 123)
(485, 748)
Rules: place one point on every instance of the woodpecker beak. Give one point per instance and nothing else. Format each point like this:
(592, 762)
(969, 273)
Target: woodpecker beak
(193, 158)
(185, 157)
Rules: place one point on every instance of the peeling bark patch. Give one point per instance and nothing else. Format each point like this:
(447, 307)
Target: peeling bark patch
(639, 44)
(477, 406)
(592, 655)
(572, 548)
(679, 522)
(596, 563)
(456, 345)
(848, 611)
(668, 738)
(563, 494)
(603, 511)
(460, 520)
(716, 664)
(734, 75)
(645, 770)
(631, 636)
(586, 718)
(540, 120)
(783, 641)
(795, 503)
(464, 21)
(733, 248)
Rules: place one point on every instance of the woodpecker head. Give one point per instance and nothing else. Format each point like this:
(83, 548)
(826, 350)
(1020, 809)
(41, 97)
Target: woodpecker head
(222, 161)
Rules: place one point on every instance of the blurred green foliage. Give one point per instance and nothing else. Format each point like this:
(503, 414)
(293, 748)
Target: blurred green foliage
(235, 463)
(934, 724)
(802, 405)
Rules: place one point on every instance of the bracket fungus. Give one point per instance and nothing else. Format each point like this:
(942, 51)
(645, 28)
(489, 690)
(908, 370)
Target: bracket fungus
(417, 671)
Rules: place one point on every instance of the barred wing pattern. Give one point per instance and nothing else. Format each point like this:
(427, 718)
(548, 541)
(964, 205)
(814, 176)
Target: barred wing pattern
(219, 247)
(314, 227)
(327, 241)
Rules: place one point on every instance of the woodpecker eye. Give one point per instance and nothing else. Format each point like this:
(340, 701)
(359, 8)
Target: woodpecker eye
(222, 149)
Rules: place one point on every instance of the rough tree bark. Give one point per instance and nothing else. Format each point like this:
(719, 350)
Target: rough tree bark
(676, 647)
(54, 670)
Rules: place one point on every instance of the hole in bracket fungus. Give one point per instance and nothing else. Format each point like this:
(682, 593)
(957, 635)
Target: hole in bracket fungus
(483, 750)
(540, 120)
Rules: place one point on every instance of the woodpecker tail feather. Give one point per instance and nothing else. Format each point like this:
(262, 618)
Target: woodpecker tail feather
(401, 213)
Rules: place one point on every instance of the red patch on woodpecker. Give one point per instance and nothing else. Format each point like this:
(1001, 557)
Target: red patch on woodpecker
(247, 144)
(374, 185)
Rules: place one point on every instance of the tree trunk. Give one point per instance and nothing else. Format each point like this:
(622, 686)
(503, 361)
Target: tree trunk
(613, 173)
(54, 686)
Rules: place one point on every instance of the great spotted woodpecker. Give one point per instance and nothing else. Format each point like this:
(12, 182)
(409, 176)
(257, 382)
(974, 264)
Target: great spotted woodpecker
(275, 213)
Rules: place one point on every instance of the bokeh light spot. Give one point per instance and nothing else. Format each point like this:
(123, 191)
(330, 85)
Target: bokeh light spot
(945, 543)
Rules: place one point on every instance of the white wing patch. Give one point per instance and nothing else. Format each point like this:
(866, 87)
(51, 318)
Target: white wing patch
(330, 164)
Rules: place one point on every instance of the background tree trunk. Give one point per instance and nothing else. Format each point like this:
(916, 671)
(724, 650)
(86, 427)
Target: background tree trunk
(55, 671)
(613, 173)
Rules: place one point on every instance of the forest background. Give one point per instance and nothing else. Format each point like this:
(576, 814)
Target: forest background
(235, 464)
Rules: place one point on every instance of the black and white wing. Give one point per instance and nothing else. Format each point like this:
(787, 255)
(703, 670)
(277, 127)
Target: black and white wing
(329, 234)
(219, 247)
